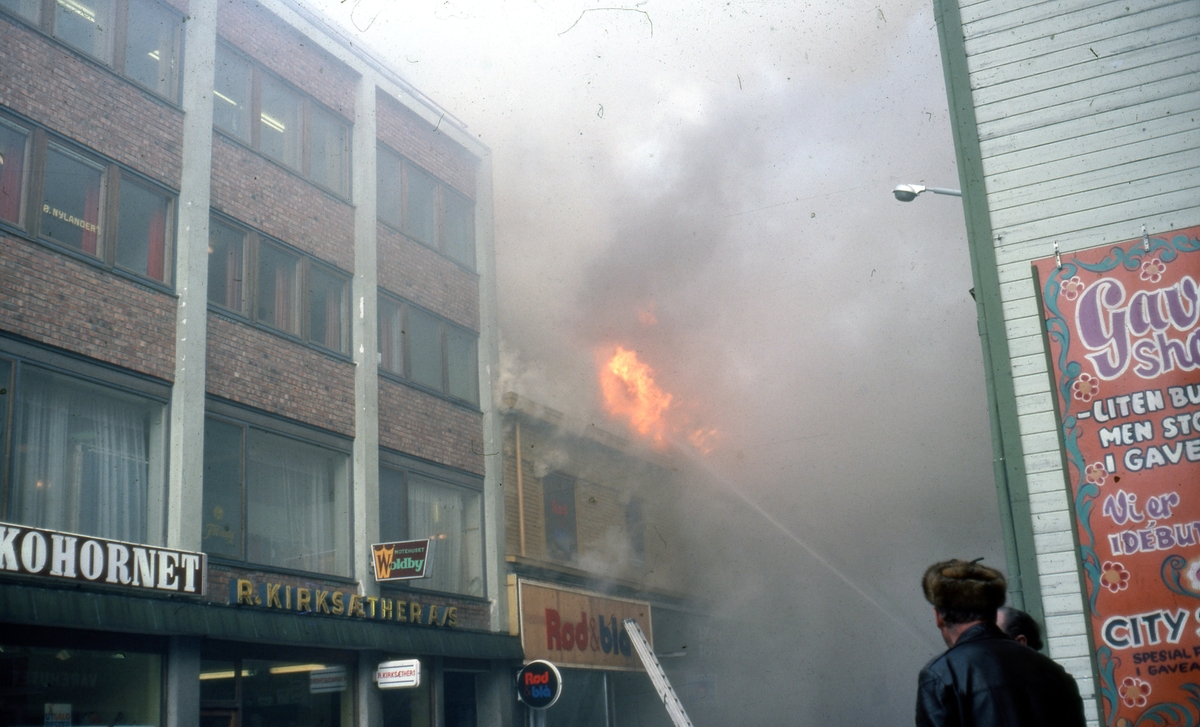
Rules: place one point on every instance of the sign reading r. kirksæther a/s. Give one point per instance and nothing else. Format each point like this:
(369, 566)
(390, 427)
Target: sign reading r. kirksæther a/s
(70, 556)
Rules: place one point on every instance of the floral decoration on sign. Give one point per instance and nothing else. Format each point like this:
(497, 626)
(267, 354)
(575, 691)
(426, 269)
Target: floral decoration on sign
(1134, 691)
(1114, 577)
(1152, 270)
(1085, 388)
(1072, 288)
(1095, 473)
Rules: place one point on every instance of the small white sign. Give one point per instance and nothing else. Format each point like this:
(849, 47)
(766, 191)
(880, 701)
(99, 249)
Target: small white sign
(324, 681)
(57, 715)
(399, 674)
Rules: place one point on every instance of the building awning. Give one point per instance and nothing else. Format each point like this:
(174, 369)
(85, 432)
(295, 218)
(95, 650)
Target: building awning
(77, 609)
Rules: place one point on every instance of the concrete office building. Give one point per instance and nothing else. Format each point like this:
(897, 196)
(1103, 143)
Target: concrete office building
(1076, 135)
(247, 330)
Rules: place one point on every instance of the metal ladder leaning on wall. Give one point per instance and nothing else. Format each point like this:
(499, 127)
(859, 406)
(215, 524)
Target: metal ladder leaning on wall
(659, 677)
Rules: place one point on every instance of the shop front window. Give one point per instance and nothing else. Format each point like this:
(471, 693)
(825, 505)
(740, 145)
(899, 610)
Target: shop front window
(61, 687)
(261, 693)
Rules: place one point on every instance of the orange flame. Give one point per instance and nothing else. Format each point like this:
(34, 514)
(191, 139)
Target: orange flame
(629, 391)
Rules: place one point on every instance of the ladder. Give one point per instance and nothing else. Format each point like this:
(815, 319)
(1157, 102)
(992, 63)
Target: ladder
(659, 677)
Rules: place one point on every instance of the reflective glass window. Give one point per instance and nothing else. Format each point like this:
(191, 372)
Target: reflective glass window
(31, 10)
(56, 686)
(329, 151)
(462, 365)
(226, 266)
(222, 522)
(142, 226)
(460, 230)
(279, 123)
(71, 201)
(87, 25)
(423, 336)
(422, 207)
(231, 95)
(391, 346)
(387, 187)
(14, 151)
(151, 41)
(451, 517)
(328, 320)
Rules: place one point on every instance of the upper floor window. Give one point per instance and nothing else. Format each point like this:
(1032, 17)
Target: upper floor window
(635, 528)
(558, 493)
(414, 506)
(275, 500)
(428, 350)
(428, 211)
(266, 281)
(269, 115)
(84, 203)
(144, 47)
(87, 457)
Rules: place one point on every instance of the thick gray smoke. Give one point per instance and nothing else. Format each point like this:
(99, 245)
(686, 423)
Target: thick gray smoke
(709, 185)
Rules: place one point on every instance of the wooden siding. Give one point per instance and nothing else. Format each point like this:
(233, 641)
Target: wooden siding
(1086, 118)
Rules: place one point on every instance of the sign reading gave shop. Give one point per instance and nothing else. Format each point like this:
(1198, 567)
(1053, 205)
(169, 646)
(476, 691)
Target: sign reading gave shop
(1123, 323)
(579, 629)
(70, 556)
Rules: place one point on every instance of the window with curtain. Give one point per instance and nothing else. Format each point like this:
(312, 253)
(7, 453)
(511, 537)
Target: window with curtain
(14, 151)
(88, 459)
(71, 201)
(391, 338)
(297, 509)
(429, 211)
(142, 230)
(274, 500)
(327, 309)
(451, 517)
(428, 350)
(278, 288)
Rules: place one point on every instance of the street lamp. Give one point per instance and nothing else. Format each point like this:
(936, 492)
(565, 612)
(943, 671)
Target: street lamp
(909, 192)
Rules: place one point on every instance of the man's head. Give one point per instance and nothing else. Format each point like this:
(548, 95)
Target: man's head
(1020, 626)
(963, 592)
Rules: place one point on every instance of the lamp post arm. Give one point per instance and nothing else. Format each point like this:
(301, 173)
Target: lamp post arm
(943, 190)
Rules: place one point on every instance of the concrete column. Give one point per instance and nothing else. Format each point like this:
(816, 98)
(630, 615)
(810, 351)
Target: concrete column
(370, 702)
(183, 682)
(186, 457)
(364, 331)
(489, 365)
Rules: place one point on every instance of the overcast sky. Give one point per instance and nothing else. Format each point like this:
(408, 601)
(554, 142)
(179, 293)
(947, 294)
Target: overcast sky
(708, 183)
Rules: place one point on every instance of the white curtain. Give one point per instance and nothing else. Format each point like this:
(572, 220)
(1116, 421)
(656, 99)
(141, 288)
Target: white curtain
(296, 505)
(449, 516)
(84, 457)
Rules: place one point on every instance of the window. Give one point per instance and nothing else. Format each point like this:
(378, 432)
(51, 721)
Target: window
(144, 48)
(87, 457)
(423, 208)
(272, 117)
(635, 528)
(558, 491)
(272, 692)
(413, 506)
(274, 500)
(428, 350)
(78, 197)
(291, 292)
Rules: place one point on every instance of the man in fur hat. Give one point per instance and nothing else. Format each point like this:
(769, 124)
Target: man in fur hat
(985, 678)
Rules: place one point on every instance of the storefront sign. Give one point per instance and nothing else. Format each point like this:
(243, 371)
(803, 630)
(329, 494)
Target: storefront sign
(324, 681)
(335, 602)
(399, 674)
(57, 715)
(52, 554)
(577, 628)
(539, 684)
(1123, 323)
(401, 561)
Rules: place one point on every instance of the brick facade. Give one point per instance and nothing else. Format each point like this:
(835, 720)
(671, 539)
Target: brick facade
(288, 54)
(60, 301)
(412, 137)
(83, 100)
(419, 274)
(260, 193)
(429, 427)
(266, 371)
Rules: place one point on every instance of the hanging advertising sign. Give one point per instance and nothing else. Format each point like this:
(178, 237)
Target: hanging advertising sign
(82, 558)
(1123, 328)
(539, 684)
(401, 561)
(577, 628)
(399, 674)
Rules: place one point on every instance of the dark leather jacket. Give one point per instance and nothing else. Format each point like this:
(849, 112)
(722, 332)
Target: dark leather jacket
(988, 680)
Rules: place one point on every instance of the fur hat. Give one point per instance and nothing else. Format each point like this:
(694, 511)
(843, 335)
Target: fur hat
(964, 586)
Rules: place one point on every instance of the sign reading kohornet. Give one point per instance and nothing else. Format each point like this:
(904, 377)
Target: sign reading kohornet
(70, 556)
(401, 561)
